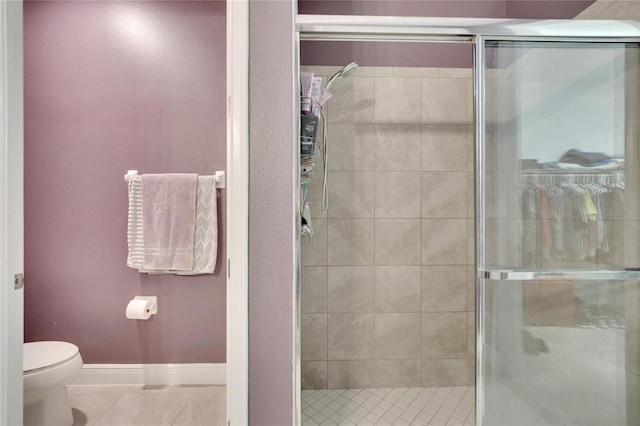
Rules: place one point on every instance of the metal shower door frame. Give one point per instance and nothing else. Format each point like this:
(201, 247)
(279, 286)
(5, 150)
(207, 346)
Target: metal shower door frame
(483, 273)
(477, 32)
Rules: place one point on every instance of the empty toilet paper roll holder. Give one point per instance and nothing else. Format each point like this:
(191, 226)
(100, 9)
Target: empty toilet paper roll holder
(153, 309)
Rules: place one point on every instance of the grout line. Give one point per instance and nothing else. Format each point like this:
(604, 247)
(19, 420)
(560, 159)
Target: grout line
(375, 166)
(422, 213)
(111, 407)
(184, 405)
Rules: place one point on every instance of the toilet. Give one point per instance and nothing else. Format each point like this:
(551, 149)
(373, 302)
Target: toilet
(47, 368)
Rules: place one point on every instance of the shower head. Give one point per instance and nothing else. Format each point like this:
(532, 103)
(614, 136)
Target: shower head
(342, 72)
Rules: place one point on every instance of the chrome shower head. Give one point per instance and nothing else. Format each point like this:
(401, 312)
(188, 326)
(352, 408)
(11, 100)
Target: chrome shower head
(342, 72)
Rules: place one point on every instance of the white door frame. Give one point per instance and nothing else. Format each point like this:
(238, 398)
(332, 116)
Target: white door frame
(11, 211)
(237, 212)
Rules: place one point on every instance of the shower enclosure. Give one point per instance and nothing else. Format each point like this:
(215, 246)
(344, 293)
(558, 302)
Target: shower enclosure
(556, 222)
(558, 233)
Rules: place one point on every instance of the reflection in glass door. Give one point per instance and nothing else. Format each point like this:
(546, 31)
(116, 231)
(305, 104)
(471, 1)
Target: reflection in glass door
(559, 224)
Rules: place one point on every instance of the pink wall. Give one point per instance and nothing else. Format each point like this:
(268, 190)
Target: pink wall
(271, 218)
(545, 9)
(416, 54)
(519, 9)
(440, 8)
(112, 86)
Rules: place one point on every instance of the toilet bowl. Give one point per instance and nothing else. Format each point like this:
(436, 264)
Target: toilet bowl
(47, 368)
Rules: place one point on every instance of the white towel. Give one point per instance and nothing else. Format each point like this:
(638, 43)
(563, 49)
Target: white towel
(134, 223)
(205, 245)
(168, 221)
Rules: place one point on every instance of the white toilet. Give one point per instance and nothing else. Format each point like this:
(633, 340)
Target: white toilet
(48, 367)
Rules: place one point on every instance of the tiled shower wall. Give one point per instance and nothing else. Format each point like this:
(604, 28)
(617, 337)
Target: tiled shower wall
(387, 290)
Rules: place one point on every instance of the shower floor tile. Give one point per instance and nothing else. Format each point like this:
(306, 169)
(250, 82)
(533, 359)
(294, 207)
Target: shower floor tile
(148, 405)
(452, 406)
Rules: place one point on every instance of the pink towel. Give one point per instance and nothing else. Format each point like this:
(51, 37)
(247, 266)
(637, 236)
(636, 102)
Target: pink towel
(168, 221)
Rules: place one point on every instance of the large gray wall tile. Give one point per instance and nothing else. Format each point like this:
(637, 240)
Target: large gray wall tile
(398, 147)
(351, 147)
(314, 344)
(351, 241)
(445, 148)
(352, 101)
(397, 241)
(444, 195)
(314, 289)
(397, 100)
(351, 289)
(444, 288)
(397, 288)
(351, 336)
(445, 101)
(350, 195)
(314, 374)
(398, 373)
(398, 336)
(444, 335)
(448, 372)
(397, 195)
(444, 241)
(351, 374)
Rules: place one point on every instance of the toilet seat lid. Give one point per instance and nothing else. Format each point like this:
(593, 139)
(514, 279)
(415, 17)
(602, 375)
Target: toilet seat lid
(37, 355)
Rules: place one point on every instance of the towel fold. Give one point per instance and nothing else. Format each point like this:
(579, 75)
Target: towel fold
(204, 244)
(134, 223)
(168, 221)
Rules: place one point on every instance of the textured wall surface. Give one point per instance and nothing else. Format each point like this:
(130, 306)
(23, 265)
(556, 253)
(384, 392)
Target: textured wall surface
(438, 8)
(518, 9)
(271, 217)
(387, 289)
(112, 86)
(545, 9)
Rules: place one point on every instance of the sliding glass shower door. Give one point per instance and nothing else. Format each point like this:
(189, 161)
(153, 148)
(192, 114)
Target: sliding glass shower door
(558, 232)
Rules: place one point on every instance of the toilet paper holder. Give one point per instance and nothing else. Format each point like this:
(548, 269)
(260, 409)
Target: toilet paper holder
(154, 303)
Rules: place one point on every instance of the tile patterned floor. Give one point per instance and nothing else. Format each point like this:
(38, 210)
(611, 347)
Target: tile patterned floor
(453, 406)
(148, 405)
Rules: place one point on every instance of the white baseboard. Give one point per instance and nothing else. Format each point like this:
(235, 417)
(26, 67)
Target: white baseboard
(151, 374)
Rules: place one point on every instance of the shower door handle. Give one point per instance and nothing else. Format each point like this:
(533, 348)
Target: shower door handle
(558, 275)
